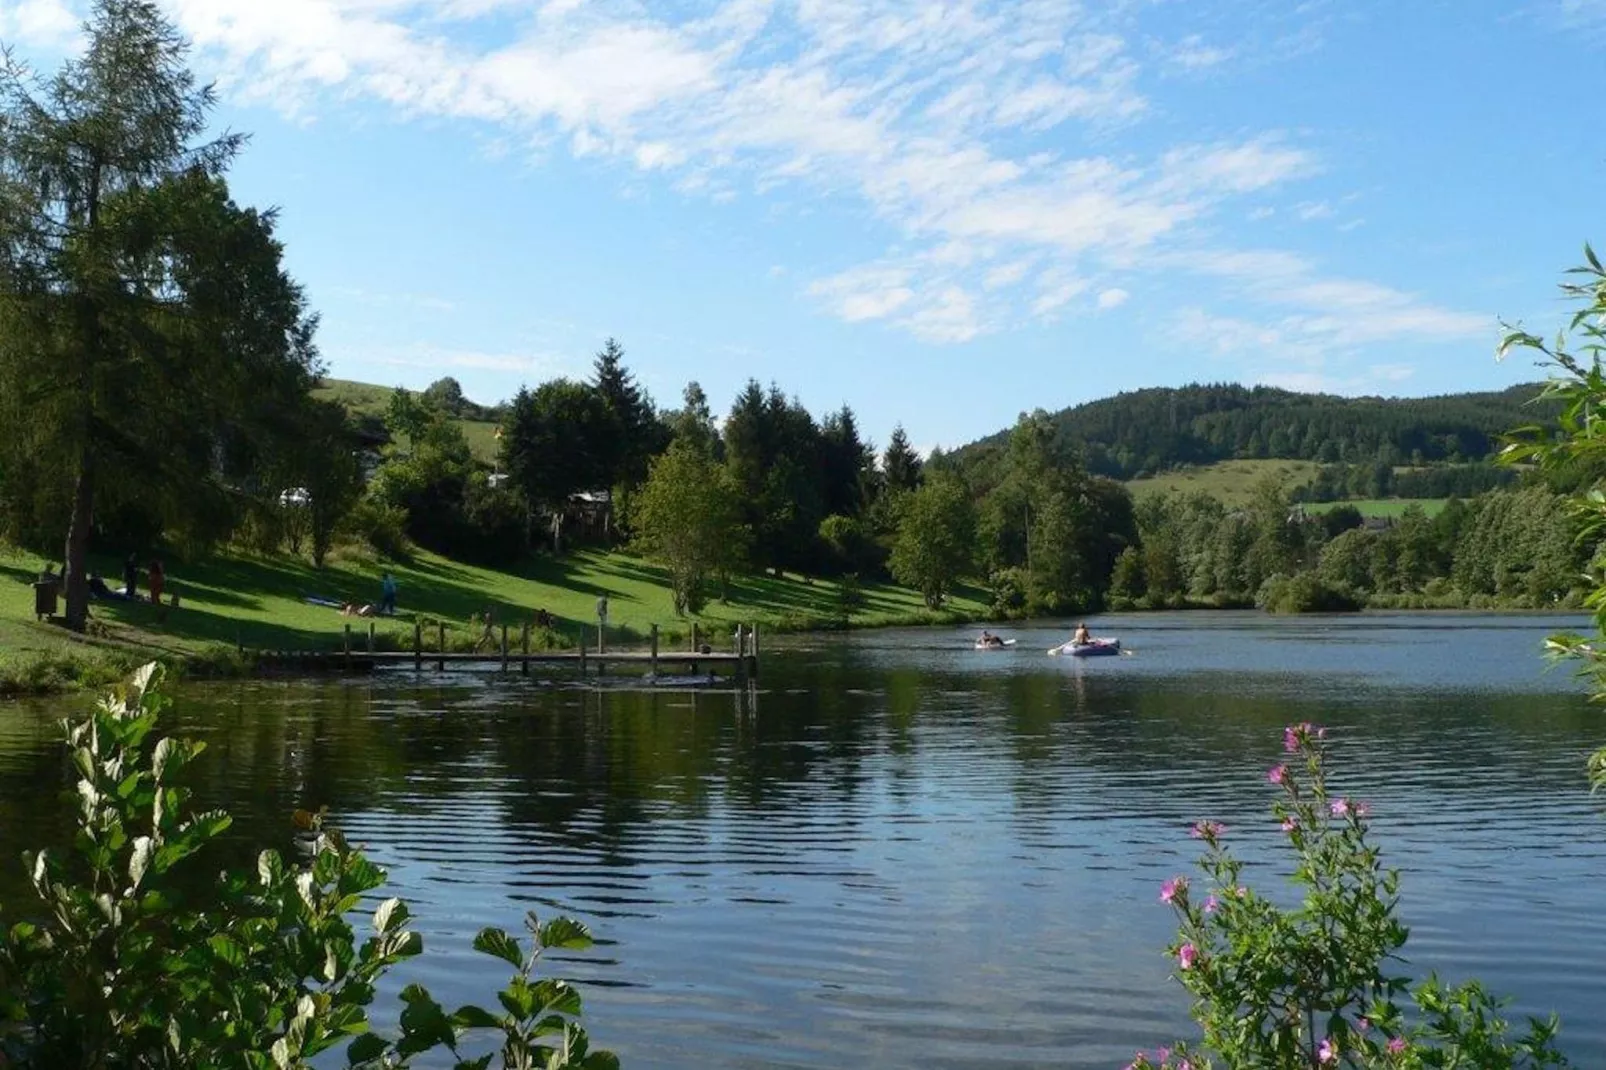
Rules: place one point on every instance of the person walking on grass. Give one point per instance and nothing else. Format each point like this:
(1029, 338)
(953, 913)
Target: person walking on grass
(158, 578)
(387, 595)
(130, 576)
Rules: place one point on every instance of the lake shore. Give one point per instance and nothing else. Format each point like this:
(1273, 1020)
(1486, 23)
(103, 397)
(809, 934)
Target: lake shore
(235, 608)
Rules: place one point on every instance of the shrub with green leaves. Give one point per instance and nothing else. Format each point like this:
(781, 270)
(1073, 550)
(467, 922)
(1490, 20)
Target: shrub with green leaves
(1572, 452)
(133, 958)
(1320, 984)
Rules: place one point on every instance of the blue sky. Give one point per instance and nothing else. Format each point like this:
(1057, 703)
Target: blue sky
(941, 212)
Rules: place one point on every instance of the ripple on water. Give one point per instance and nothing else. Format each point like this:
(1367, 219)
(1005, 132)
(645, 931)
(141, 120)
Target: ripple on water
(904, 853)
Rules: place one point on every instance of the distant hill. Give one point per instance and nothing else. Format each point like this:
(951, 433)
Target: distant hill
(367, 401)
(1146, 432)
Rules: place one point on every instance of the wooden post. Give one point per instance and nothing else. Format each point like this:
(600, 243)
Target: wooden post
(525, 664)
(418, 646)
(440, 662)
(696, 646)
(504, 646)
(370, 637)
(754, 672)
(348, 646)
(582, 652)
(602, 638)
(741, 653)
(654, 662)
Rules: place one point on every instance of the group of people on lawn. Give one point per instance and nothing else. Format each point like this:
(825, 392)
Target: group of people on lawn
(156, 581)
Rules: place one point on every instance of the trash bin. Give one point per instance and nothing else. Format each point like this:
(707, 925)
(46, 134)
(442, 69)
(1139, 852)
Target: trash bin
(44, 599)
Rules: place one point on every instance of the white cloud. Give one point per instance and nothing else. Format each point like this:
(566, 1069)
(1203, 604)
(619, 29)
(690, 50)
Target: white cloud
(864, 293)
(1114, 297)
(1311, 210)
(1193, 54)
(46, 24)
(947, 316)
(1006, 274)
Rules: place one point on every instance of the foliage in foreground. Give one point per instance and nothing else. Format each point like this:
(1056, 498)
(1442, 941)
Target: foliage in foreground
(132, 959)
(1574, 451)
(1318, 985)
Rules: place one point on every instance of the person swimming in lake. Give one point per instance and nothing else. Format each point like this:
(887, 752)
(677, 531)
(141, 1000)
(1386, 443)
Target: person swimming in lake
(989, 639)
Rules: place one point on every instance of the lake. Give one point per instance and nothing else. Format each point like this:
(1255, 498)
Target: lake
(904, 852)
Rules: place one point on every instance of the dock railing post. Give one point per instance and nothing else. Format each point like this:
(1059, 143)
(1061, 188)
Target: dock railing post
(504, 646)
(347, 646)
(525, 664)
(370, 637)
(440, 662)
(418, 646)
(582, 653)
(654, 662)
(696, 646)
(754, 672)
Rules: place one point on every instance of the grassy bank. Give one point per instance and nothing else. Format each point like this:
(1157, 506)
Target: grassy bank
(253, 604)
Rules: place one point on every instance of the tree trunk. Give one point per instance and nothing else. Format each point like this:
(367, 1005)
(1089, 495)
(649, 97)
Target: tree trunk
(76, 580)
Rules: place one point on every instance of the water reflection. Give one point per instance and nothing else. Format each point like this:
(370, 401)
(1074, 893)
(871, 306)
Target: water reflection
(905, 852)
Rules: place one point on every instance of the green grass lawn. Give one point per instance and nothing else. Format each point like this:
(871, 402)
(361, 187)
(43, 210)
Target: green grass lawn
(366, 399)
(1231, 481)
(259, 604)
(1383, 506)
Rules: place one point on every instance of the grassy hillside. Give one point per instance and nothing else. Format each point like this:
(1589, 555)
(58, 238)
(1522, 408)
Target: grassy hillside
(1389, 507)
(259, 603)
(1147, 432)
(1231, 481)
(369, 400)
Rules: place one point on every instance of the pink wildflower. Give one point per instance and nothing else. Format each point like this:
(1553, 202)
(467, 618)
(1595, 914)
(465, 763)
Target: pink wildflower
(1278, 774)
(1396, 1045)
(1207, 830)
(1291, 736)
(1363, 809)
(1363, 1024)
(1210, 904)
(1186, 955)
(1339, 807)
(1172, 888)
(1184, 1064)
(1327, 1051)
(1290, 823)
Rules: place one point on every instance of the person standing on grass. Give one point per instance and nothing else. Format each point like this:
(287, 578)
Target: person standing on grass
(387, 595)
(130, 576)
(158, 577)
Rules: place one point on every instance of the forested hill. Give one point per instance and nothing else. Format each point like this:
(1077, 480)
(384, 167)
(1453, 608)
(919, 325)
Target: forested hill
(1148, 431)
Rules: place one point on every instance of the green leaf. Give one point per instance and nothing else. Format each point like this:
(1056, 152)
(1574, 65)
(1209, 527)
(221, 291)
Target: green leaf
(565, 934)
(391, 914)
(227, 949)
(472, 1017)
(500, 944)
(140, 860)
(365, 1049)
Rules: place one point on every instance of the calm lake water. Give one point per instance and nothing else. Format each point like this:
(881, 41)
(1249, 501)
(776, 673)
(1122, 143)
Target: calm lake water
(903, 852)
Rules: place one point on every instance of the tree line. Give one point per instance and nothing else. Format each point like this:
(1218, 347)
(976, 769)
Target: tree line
(1145, 432)
(1340, 482)
(1517, 546)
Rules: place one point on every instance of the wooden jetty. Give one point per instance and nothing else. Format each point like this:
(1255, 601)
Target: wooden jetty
(660, 665)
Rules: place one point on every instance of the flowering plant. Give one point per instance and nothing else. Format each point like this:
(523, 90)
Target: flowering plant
(1319, 985)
